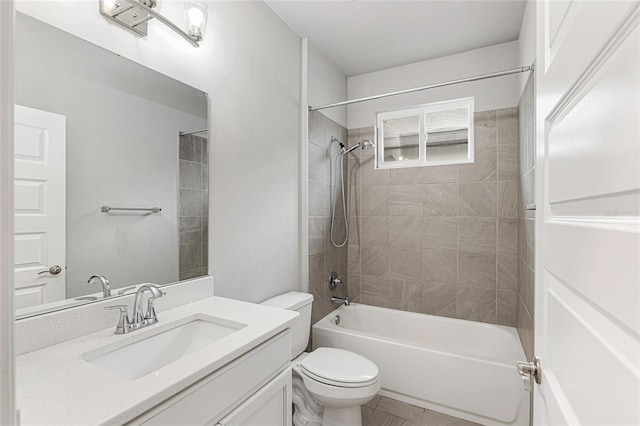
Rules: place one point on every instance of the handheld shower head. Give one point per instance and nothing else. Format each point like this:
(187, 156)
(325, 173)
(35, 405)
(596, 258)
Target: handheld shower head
(363, 145)
(366, 144)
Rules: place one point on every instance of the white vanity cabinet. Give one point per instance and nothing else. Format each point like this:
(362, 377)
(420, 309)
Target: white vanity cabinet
(254, 389)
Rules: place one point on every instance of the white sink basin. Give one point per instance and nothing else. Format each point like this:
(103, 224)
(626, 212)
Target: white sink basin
(140, 357)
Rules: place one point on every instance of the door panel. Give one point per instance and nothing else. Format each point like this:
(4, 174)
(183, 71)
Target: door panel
(39, 206)
(587, 321)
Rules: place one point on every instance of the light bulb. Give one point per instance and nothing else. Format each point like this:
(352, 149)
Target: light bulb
(108, 6)
(195, 16)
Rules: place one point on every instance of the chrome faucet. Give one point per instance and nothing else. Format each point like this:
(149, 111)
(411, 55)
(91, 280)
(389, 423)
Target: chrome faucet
(138, 319)
(340, 300)
(106, 290)
(149, 317)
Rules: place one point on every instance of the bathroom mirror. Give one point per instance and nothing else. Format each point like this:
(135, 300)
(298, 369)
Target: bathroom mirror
(111, 172)
(426, 135)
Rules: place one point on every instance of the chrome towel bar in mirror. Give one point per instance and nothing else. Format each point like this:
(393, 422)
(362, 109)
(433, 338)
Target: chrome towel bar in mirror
(107, 209)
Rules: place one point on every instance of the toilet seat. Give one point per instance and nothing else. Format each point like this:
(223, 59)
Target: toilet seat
(338, 367)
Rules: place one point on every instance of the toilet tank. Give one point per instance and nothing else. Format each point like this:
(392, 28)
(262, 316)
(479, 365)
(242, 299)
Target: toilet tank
(301, 303)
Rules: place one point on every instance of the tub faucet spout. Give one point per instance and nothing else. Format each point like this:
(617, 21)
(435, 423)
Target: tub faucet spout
(340, 300)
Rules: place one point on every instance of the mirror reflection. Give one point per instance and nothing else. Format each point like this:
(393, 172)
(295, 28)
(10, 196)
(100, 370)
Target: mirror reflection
(111, 173)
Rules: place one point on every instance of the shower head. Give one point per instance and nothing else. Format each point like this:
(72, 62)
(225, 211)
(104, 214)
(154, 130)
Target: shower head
(363, 145)
(366, 144)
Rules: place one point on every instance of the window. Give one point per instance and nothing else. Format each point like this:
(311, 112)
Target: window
(427, 135)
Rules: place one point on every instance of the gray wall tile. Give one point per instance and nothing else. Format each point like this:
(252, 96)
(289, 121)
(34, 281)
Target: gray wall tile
(440, 266)
(508, 198)
(319, 196)
(319, 164)
(190, 175)
(353, 260)
(506, 307)
(477, 269)
(374, 201)
(441, 199)
(440, 233)
(406, 176)
(477, 304)
(507, 235)
(485, 128)
(375, 231)
(439, 299)
(525, 270)
(406, 200)
(484, 167)
(405, 232)
(508, 126)
(477, 199)
(445, 220)
(439, 174)
(190, 148)
(508, 162)
(190, 202)
(406, 263)
(507, 271)
(375, 291)
(374, 261)
(477, 234)
(368, 175)
(323, 256)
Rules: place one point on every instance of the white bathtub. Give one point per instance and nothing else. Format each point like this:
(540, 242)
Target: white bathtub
(461, 368)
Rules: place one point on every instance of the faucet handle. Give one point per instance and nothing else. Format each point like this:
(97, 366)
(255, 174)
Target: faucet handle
(150, 316)
(123, 323)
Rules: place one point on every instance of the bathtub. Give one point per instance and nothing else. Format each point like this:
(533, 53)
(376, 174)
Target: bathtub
(461, 368)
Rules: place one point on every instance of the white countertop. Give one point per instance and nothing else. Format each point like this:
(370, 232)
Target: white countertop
(55, 386)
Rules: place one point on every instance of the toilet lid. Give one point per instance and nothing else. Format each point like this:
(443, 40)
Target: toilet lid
(339, 366)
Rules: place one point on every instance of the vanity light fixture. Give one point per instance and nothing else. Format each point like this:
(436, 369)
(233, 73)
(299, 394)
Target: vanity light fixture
(195, 13)
(134, 15)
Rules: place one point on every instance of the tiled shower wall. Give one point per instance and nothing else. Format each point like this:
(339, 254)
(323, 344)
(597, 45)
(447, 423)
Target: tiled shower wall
(193, 206)
(440, 240)
(526, 222)
(323, 256)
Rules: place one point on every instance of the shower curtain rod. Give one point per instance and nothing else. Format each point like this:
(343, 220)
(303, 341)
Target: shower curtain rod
(431, 86)
(191, 133)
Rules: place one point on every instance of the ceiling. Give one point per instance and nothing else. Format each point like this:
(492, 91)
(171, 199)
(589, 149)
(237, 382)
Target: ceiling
(365, 36)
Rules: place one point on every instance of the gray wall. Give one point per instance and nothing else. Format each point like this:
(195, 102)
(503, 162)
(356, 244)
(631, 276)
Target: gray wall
(122, 150)
(526, 222)
(255, 79)
(323, 256)
(439, 240)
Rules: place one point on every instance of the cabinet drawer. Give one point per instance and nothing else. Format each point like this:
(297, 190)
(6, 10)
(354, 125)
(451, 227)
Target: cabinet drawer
(212, 397)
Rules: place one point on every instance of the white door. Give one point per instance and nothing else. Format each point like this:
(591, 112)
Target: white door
(587, 321)
(40, 139)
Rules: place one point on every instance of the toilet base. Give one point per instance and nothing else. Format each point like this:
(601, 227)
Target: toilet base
(349, 416)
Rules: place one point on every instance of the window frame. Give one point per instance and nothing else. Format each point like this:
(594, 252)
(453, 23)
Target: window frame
(421, 111)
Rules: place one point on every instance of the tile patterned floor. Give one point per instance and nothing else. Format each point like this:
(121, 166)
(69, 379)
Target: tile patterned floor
(382, 411)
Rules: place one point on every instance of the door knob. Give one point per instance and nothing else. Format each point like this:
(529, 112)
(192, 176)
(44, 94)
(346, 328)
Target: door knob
(529, 371)
(54, 270)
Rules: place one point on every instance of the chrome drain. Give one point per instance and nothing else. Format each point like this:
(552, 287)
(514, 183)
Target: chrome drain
(337, 320)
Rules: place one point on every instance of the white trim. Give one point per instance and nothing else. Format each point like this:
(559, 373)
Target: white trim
(7, 374)
(303, 176)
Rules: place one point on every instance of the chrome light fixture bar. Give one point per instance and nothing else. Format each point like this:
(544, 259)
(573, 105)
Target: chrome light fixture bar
(134, 15)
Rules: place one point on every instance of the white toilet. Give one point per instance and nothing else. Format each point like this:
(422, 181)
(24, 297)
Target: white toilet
(329, 384)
